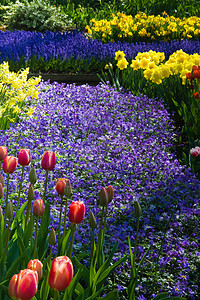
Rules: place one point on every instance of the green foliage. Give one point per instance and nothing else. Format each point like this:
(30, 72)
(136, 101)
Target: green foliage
(37, 15)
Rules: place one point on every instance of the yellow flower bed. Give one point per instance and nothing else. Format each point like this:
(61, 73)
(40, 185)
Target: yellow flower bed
(14, 90)
(179, 63)
(143, 27)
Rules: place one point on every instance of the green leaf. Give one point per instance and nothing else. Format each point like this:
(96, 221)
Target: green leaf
(65, 241)
(110, 296)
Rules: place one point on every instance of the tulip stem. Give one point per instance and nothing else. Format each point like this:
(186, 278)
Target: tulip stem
(61, 204)
(20, 187)
(45, 187)
(104, 225)
(136, 242)
(65, 217)
(92, 244)
(7, 238)
(36, 236)
(73, 228)
(55, 295)
(99, 235)
(7, 189)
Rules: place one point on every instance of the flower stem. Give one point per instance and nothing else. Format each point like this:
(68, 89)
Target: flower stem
(73, 228)
(136, 242)
(36, 236)
(65, 217)
(92, 244)
(55, 297)
(7, 188)
(20, 187)
(99, 237)
(45, 187)
(7, 239)
(61, 204)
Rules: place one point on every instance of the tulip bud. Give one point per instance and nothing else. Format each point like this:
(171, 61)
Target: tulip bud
(92, 220)
(103, 197)
(9, 164)
(138, 210)
(1, 191)
(48, 160)
(68, 189)
(36, 265)
(38, 208)
(1, 213)
(110, 193)
(12, 285)
(52, 237)
(60, 185)
(76, 212)
(3, 153)
(31, 194)
(26, 285)
(9, 210)
(24, 157)
(1, 180)
(61, 273)
(32, 175)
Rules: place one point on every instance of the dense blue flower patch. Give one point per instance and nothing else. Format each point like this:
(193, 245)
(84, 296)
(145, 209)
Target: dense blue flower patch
(103, 137)
(53, 45)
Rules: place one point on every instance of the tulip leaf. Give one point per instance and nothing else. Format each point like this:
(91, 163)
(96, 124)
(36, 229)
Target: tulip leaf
(28, 233)
(43, 231)
(110, 296)
(85, 271)
(44, 290)
(65, 242)
(131, 258)
(19, 213)
(13, 268)
(107, 272)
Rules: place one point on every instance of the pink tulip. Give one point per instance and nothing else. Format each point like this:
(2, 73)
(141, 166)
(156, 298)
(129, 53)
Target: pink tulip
(26, 285)
(61, 273)
(9, 164)
(48, 160)
(24, 157)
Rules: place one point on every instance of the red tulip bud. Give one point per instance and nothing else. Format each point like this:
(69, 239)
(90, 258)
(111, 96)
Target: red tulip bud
(38, 208)
(60, 185)
(9, 164)
(110, 193)
(61, 273)
(3, 153)
(77, 212)
(36, 265)
(26, 285)
(12, 285)
(48, 160)
(103, 197)
(24, 157)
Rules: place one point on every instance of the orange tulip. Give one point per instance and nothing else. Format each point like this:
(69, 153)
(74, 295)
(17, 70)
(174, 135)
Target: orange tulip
(12, 285)
(36, 265)
(77, 212)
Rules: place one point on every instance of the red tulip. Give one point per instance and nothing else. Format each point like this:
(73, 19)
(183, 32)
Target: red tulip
(60, 185)
(26, 285)
(24, 157)
(48, 160)
(77, 212)
(109, 190)
(9, 164)
(36, 265)
(3, 153)
(1, 190)
(38, 208)
(61, 273)
(12, 285)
